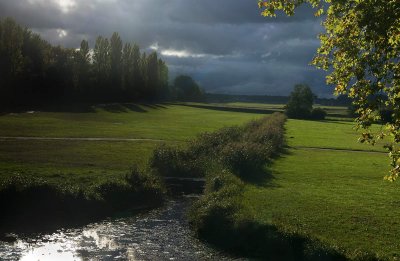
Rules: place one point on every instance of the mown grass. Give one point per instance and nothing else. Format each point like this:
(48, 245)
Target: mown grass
(327, 134)
(162, 121)
(87, 162)
(339, 198)
(336, 197)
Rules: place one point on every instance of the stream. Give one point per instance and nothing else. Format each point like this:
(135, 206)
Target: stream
(160, 234)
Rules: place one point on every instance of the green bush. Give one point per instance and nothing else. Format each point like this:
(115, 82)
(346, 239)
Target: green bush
(241, 149)
(210, 143)
(244, 158)
(268, 131)
(174, 162)
(28, 203)
(318, 114)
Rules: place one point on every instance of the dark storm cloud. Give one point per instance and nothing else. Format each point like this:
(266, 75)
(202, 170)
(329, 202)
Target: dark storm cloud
(225, 45)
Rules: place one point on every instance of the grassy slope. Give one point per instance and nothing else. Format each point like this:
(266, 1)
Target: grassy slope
(86, 162)
(338, 197)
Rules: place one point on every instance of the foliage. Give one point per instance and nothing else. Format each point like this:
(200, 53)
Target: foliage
(175, 162)
(35, 72)
(245, 158)
(361, 50)
(318, 114)
(187, 89)
(300, 103)
(243, 150)
(27, 202)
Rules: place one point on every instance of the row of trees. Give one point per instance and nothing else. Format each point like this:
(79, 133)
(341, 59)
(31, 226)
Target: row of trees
(34, 72)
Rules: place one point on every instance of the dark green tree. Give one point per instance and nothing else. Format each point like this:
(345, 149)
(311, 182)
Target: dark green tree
(116, 61)
(102, 65)
(187, 89)
(82, 70)
(300, 103)
(153, 85)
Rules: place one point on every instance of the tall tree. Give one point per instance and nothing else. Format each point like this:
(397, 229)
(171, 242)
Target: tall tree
(102, 63)
(116, 61)
(143, 91)
(138, 79)
(361, 50)
(300, 103)
(163, 77)
(153, 86)
(82, 61)
(11, 59)
(127, 70)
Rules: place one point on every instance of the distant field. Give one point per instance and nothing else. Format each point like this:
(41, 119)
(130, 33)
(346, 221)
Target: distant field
(85, 162)
(335, 112)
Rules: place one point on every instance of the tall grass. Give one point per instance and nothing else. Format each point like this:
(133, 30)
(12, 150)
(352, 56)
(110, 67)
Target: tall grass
(241, 149)
(29, 204)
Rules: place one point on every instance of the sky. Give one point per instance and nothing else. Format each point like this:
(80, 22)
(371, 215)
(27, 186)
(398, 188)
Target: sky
(225, 45)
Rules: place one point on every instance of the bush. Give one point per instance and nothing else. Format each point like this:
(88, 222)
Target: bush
(174, 162)
(244, 158)
(268, 131)
(210, 143)
(318, 114)
(32, 203)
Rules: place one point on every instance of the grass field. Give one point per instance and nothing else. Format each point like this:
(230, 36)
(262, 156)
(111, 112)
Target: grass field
(325, 186)
(336, 196)
(83, 161)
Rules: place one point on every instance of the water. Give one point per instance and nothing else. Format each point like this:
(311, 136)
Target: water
(161, 234)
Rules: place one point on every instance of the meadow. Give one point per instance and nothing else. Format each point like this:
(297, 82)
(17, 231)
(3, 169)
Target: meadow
(90, 161)
(324, 185)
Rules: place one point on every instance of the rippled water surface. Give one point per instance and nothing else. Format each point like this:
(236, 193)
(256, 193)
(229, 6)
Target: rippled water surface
(161, 234)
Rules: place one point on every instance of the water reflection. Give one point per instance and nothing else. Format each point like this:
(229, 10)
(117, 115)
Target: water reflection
(162, 234)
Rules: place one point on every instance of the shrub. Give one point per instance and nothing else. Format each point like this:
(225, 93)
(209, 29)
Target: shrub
(318, 114)
(143, 181)
(268, 131)
(210, 143)
(32, 203)
(243, 158)
(174, 162)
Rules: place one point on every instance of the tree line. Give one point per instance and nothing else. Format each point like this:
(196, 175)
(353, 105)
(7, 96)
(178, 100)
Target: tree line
(34, 72)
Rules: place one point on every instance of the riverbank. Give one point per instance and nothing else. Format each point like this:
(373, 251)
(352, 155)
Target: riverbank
(159, 234)
(30, 205)
(231, 158)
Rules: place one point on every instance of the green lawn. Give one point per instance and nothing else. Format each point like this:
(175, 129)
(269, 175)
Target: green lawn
(166, 122)
(327, 134)
(86, 162)
(338, 197)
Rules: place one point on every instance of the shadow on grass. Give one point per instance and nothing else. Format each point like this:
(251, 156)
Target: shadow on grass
(154, 105)
(265, 177)
(259, 177)
(262, 241)
(87, 108)
(121, 107)
(230, 109)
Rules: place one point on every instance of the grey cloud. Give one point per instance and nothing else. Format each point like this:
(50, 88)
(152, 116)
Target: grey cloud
(232, 48)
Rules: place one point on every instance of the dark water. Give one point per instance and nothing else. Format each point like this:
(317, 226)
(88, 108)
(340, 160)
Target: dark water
(161, 234)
